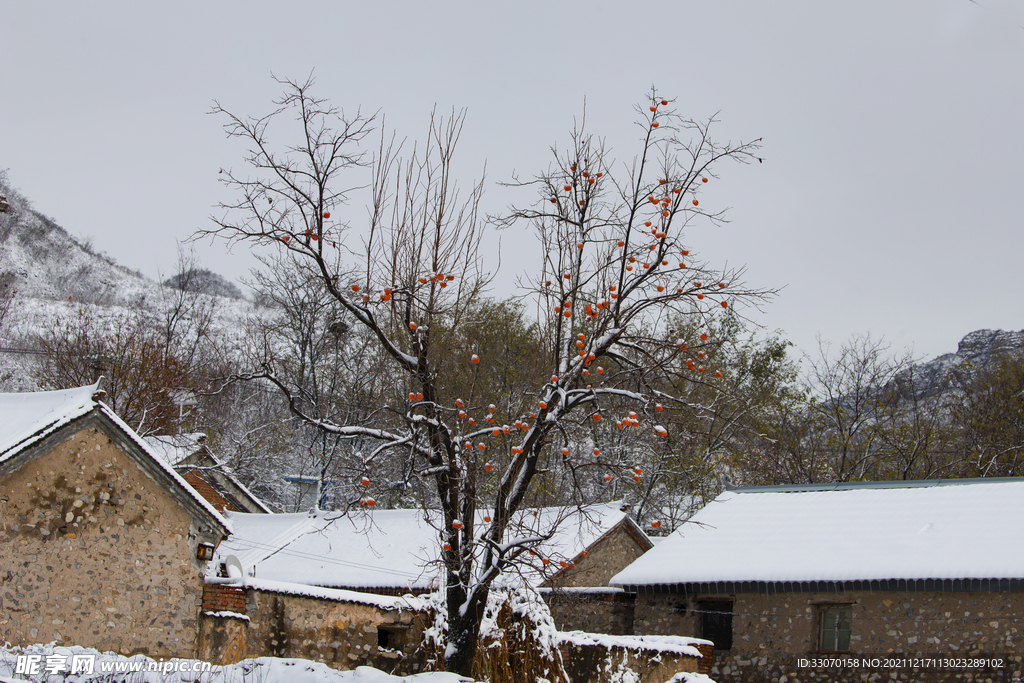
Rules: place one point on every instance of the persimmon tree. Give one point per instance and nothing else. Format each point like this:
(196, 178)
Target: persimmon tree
(410, 270)
(714, 427)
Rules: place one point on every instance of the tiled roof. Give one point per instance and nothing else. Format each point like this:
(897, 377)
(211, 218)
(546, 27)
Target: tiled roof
(385, 549)
(177, 450)
(208, 491)
(948, 530)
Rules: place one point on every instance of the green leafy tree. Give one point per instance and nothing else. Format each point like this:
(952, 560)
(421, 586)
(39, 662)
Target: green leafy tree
(987, 421)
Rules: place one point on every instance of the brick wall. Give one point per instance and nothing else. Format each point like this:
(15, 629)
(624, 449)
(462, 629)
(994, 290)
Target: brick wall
(95, 553)
(223, 599)
(707, 662)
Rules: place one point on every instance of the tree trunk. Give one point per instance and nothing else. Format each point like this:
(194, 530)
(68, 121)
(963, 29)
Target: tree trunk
(463, 628)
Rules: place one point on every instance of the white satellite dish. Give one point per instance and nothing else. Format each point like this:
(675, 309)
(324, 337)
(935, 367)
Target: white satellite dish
(233, 567)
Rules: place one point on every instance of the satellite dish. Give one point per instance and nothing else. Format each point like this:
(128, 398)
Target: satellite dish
(233, 567)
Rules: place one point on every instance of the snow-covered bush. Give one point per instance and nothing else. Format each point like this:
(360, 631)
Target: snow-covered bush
(518, 639)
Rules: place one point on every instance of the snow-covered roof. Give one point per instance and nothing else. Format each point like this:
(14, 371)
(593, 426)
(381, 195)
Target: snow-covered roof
(173, 448)
(386, 548)
(28, 418)
(945, 530)
(389, 602)
(681, 645)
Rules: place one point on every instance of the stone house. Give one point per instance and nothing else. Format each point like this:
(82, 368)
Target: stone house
(581, 598)
(775, 575)
(190, 457)
(343, 629)
(347, 590)
(294, 576)
(395, 552)
(104, 544)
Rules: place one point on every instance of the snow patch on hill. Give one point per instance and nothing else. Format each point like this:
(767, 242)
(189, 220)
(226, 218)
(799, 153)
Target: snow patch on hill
(49, 263)
(59, 279)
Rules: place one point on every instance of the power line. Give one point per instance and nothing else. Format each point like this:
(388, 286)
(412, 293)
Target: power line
(34, 352)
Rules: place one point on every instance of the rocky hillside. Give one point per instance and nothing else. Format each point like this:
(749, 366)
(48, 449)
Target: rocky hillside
(978, 350)
(47, 275)
(43, 261)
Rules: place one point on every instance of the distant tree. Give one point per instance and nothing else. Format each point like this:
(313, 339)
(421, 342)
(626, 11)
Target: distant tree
(614, 267)
(147, 385)
(187, 311)
(716, 427)
(861, 414)
(329, 368)
(913, 429)
(846, 409)
(8, 289)
(986, 420)
(155, 362)
(203, 281)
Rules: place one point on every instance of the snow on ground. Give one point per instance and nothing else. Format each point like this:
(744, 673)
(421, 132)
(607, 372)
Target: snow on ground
(112, 668)
(674, 644)
(685, 677)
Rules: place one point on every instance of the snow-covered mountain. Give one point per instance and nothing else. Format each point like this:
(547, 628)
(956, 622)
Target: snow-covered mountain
(48, 263)
(46, 274)
(57, 276)
(977, 351)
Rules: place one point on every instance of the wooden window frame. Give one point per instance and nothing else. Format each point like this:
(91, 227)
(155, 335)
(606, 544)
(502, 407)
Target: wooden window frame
(836, 641)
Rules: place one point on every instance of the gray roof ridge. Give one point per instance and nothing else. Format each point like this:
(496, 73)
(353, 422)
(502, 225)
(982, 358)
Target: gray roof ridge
(868, 485)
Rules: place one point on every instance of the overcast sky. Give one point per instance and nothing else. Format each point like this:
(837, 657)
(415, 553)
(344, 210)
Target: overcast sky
(889, 201)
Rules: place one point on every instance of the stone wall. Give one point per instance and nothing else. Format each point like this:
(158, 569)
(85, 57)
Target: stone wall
(608, 612)
(606, 558)
(96, 554)
(604, 664)
(341, 634)
(598, 612)
(771, 633)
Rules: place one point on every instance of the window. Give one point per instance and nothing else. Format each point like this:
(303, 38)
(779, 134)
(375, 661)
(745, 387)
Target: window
(716, 623)
(834, 630)
(391, 637)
